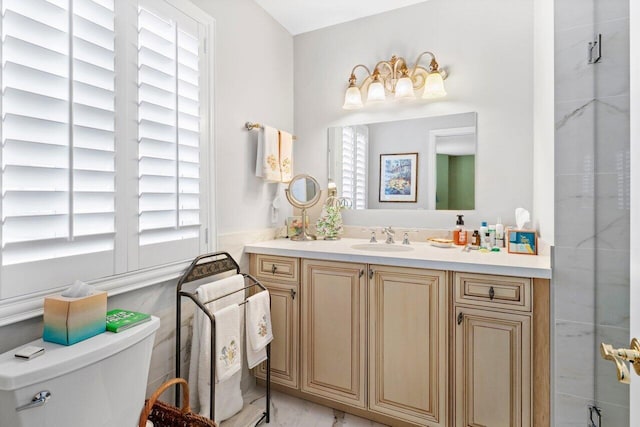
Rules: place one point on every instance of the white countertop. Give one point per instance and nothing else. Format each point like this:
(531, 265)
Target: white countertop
(423, 255)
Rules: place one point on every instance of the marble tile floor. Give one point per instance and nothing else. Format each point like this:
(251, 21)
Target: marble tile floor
(292, 412)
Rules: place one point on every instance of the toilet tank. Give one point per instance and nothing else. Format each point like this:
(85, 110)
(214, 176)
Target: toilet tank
(97, 382)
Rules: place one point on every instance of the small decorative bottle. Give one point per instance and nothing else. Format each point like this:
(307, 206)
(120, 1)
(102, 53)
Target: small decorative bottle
(460, 234)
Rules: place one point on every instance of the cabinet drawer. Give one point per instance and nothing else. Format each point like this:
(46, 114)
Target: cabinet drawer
(281, 269)
(513, 293)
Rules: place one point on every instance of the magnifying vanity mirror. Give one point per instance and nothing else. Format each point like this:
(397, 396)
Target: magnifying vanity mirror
(303, 193)
(424, 163)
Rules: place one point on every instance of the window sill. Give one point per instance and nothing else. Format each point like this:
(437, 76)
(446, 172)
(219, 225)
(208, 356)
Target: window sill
(14, 310)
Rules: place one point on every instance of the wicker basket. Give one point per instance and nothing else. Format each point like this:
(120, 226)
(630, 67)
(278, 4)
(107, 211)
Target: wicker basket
(165, 415)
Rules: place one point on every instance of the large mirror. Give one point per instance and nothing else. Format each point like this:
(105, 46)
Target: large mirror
(425, 163)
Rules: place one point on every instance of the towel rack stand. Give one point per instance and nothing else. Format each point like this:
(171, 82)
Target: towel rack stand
(206, 266)
(252, 126)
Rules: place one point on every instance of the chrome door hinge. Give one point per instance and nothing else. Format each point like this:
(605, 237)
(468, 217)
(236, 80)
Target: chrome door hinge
(597, 412)
(596, 46)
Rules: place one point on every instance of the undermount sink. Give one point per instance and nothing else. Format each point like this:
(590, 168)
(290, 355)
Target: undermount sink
(381, 247)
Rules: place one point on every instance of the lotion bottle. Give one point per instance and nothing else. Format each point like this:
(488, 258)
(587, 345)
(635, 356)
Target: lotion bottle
(500, 234)
(460, 234)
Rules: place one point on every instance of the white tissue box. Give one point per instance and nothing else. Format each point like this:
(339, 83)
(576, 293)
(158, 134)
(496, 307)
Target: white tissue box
(70, 320)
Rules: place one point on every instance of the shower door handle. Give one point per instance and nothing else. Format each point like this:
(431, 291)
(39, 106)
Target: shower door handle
(39, 399)
(621, 356)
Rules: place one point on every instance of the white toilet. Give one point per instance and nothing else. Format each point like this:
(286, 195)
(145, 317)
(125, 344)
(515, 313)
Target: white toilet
(97, 382)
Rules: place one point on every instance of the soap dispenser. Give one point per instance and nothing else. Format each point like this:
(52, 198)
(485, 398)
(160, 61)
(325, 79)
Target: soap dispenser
(460, 234)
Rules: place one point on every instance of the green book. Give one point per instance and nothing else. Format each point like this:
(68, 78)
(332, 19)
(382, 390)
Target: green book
(120, 320)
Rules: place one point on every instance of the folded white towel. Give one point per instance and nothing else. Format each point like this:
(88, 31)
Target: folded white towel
(228, 343)
(268, 157)
(228, 393)
(286, 156)
(258, 327)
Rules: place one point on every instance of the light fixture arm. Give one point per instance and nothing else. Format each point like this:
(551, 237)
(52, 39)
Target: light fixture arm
(433, 66)
(352, 78)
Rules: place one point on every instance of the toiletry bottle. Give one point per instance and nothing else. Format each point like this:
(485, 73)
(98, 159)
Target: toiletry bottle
(460, 234)
(500, 234)
(492, 235)
(483, 230)
(475, 239)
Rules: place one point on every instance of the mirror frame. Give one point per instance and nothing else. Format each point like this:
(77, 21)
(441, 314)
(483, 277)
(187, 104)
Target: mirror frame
(295, 202)
(303, 236)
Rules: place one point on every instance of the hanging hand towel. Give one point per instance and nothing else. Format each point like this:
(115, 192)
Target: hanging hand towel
(228, 393)
(258, 327)
(268, 158)
(228, 344)
(286, 156)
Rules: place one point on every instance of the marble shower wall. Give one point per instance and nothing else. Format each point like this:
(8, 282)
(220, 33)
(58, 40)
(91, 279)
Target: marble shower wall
(592, 166)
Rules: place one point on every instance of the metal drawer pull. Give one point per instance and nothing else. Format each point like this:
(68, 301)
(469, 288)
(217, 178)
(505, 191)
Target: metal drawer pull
(492, 293)
(39, 399)
(293, 294)
(273, 269)
(460, 318)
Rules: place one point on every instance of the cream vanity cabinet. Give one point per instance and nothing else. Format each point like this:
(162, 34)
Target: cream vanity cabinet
(493, 350)
(281, 276)
(408, 344)
(333, 331)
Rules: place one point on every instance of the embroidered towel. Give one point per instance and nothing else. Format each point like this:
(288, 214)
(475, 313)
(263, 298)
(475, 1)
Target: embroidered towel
(228, 394)
(228, 344)
(258, 327)
(286, 156)
(268, 158)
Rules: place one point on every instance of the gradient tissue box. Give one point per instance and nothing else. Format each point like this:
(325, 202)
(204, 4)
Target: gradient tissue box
(70, 320)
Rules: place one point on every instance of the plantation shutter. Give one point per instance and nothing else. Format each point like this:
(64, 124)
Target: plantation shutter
(57, 128)
(354, 164)
(168, 131)
(58, 148)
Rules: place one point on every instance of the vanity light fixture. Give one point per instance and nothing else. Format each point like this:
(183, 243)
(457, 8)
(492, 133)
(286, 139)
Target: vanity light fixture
(397, 78)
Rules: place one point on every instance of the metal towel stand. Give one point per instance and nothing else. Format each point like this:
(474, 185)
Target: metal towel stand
(206, 266)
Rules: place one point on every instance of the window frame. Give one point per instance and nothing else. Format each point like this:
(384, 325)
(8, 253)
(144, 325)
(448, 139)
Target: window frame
(126, 245)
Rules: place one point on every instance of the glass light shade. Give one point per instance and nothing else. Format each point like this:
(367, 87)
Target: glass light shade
(404, 88)
(434, 86)
(352, 98)
(376, 92)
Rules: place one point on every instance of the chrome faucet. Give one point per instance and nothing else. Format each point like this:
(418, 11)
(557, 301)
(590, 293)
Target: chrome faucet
(390, 234)
(373, 237)
(405, 239)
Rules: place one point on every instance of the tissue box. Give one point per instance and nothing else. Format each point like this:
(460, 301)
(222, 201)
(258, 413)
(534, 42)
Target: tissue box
(70, 320)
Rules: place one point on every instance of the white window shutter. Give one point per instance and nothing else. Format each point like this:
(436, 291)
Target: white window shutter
(168, 130)
(57, 128)
(355, 142)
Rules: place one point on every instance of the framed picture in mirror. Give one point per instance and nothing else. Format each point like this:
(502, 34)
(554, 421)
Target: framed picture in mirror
(399, 177)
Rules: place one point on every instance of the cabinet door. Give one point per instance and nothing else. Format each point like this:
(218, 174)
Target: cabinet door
(408, 344)
(284, 347)
(333, 331)
(493, 369)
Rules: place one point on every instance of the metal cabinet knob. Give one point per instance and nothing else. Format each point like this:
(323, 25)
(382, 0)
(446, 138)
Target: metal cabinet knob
(273, 269)
(492, 293)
